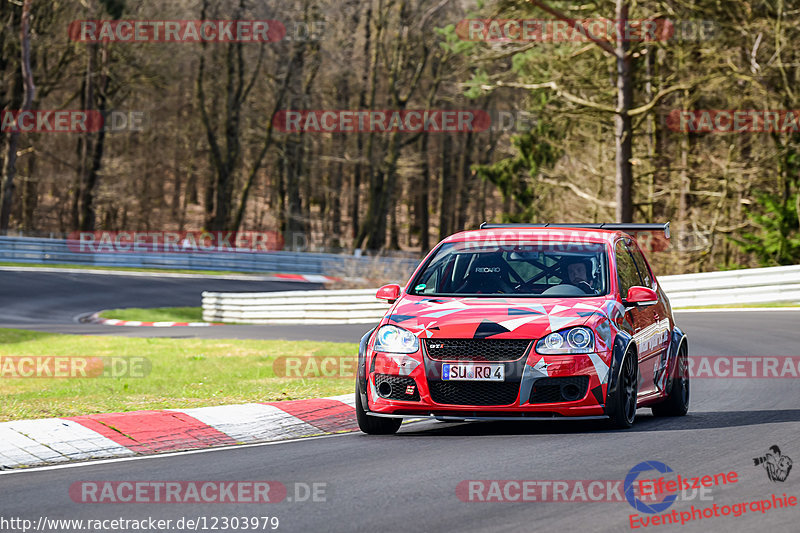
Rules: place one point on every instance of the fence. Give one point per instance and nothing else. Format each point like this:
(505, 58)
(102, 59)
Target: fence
(762, 285)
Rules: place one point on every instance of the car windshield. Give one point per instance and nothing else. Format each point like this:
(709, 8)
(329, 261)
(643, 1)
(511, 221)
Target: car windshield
(545, 269)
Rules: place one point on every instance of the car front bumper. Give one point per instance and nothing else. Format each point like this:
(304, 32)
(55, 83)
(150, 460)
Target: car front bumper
(535, 387)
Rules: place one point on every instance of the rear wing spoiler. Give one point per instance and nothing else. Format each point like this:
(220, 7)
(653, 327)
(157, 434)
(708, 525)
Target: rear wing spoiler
(604, 225)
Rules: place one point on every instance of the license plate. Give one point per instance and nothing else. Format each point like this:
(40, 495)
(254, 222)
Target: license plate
(473, 372)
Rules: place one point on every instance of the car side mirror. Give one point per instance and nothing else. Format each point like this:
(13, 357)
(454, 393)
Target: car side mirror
(641, 296)
(389, 292)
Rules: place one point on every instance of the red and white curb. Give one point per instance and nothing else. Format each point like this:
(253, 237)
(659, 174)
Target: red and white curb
(309, 278)
(56, 440)
(97, 319)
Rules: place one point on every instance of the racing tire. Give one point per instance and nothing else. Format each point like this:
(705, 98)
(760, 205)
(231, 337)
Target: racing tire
(622, 408)
(374, 425)
(677, 402)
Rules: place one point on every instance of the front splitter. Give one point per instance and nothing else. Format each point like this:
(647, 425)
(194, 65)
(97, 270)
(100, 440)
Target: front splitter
(489, 418)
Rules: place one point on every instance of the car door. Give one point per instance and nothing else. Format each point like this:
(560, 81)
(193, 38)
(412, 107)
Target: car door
(657, 340)
(640, 319)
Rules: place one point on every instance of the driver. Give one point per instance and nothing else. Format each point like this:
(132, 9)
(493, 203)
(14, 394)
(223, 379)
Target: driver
(579, 274)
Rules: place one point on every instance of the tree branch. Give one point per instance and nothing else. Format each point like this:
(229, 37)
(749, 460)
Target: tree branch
(661, 94)
(554, 87)
(577, 191)
(577, 26)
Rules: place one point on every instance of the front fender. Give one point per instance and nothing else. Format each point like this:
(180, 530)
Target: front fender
(362, 366)
(669, 367)
(622, 344)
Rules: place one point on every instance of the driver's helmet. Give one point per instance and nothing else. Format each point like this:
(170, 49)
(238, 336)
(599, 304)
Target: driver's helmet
(587, 264)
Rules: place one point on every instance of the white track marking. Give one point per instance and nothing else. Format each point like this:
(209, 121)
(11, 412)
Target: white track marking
(56, 439)
(165, 455)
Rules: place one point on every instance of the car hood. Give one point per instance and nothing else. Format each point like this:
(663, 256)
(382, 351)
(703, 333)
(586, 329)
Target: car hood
(485, 317)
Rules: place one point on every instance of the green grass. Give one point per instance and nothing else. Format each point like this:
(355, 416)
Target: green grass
(159, 314)
(134, 269)
(184, 373)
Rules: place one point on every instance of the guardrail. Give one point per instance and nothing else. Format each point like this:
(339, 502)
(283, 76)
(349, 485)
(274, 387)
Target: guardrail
(294, 307)
(762, 285)
(51, 251)
(735, 287)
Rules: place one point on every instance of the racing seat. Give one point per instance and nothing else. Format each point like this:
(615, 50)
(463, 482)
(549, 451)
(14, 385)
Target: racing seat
(487, 275)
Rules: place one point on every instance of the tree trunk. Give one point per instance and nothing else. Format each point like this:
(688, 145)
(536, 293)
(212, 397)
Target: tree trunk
(394, 230)
(225, 157)
(421, 212)
(335, 205)
(384, 200)
(280, 193)
(373, 177)
(30, 195)
(95, 142)
(7, 185)
(26, 78)
(464, 184)
(268, 141)
(294, 162)
(623, 123)
(355, 185)
(445, 194)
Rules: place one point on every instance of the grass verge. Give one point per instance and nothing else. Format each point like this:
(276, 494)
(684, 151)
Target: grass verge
(183, 373)
(158, 314)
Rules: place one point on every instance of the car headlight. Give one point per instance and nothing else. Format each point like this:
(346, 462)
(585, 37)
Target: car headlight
(395, 340)
(572, 340)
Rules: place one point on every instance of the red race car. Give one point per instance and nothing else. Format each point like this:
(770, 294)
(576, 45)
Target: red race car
(514, 322)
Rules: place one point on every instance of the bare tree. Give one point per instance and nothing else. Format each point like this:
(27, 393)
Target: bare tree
(10, 168)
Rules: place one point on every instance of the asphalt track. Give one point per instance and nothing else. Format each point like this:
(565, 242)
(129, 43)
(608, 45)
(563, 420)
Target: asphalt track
(54, 301)
(407, 482)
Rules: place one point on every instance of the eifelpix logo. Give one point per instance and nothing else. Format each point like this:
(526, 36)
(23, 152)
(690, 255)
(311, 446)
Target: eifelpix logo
(777, 465)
